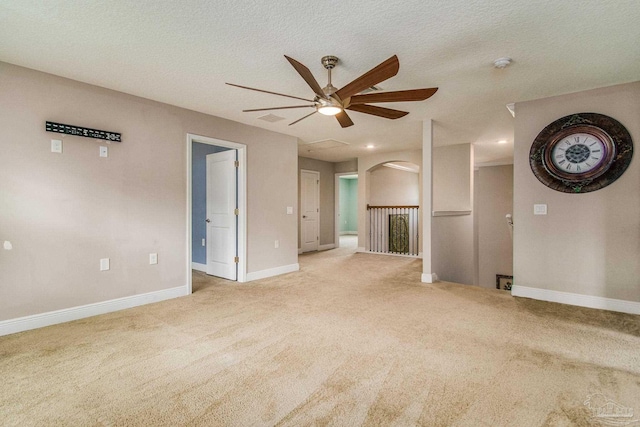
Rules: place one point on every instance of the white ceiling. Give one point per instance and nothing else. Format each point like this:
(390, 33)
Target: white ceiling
(182, 53)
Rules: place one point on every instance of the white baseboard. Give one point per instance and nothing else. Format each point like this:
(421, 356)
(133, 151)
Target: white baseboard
(429, 278)
(348, 233)
(270, 272)
(321, 247)
(631, 307)
(199, 267)
(41, 320)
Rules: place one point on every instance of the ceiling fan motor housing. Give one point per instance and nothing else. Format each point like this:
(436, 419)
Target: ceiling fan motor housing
(329, 61)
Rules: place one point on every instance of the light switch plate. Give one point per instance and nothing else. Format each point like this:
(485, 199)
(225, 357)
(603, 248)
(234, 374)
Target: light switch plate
(539, 209)
(104, 264)
(56, 146)
(153, 259)
(104, 151)
(289, 210)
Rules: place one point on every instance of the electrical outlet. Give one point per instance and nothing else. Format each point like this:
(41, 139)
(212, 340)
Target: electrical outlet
(7, 245)
(204, 242)
(153, 259)
(104, 151)
(276, 244)
(104, 264)
(56, 146)
(289, 210)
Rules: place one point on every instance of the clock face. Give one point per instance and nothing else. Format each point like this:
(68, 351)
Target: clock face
(581, 153)
(578, 153)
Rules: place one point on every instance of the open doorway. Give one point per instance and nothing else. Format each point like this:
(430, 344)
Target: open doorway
(225, 162)
(393, 203)
(346, 209)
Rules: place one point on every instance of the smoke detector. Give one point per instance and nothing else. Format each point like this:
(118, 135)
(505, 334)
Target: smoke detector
(502, 62)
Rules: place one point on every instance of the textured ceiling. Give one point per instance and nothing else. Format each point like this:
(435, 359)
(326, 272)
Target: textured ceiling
(183, 52)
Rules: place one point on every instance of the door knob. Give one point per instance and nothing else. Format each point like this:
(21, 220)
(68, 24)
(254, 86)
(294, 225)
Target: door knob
(207, 220)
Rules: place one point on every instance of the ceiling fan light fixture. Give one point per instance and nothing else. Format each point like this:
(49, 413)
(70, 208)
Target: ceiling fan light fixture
(329, 110)
(328, 107)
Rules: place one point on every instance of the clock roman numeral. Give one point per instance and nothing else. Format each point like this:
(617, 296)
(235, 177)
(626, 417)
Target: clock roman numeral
(568, 166)
(562, 162)
(576, 139)
(578, 168)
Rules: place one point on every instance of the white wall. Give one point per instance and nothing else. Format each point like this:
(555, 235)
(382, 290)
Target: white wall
(588, 244)
(63, 212)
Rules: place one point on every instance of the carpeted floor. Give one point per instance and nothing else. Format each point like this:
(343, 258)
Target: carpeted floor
(350, 340)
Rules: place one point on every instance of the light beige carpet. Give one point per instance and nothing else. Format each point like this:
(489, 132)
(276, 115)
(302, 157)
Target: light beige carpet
(350, 340)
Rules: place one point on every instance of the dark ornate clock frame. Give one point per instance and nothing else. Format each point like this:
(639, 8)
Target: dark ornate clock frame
(611, 132)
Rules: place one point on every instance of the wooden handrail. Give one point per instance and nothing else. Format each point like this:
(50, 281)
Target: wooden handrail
(390, 207)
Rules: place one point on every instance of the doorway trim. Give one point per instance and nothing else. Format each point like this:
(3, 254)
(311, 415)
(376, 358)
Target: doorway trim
(336, 218)
(317, 200)
(242, 202)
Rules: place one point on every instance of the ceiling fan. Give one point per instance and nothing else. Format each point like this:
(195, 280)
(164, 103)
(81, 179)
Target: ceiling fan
(332, 101)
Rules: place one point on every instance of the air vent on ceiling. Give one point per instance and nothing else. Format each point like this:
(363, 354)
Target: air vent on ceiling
(272, 118)
(371, 89)
(325, 144)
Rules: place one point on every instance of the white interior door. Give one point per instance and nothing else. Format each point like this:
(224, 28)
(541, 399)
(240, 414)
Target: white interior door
(221, 215)
(309, 210)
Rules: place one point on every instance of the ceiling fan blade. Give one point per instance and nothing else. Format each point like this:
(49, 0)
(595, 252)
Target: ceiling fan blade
(293, 123)
(272, 93)
(397, 96)
(387, 113)
(278, 108)
(382, 72)
(344, 119)
(305, 73)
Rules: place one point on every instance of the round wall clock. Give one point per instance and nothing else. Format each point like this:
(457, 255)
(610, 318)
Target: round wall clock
(581, 153)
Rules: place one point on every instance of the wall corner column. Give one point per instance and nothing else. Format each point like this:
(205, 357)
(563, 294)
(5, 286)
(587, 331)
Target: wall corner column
(428, 275)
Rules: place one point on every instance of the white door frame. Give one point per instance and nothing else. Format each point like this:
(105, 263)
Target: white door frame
(242, 201)
(336, 204)
(318, 206)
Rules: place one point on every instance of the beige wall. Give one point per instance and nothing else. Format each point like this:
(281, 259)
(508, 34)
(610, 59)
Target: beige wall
(493, 200)
(346, 166)
(393, 187)
(588, 243)
(366, 163)
(452, 177)
(452, 237)
(327, 199)
(63, 212)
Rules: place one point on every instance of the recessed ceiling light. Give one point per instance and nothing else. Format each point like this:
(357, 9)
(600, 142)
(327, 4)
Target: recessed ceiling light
(370, 146)
(502, 141)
